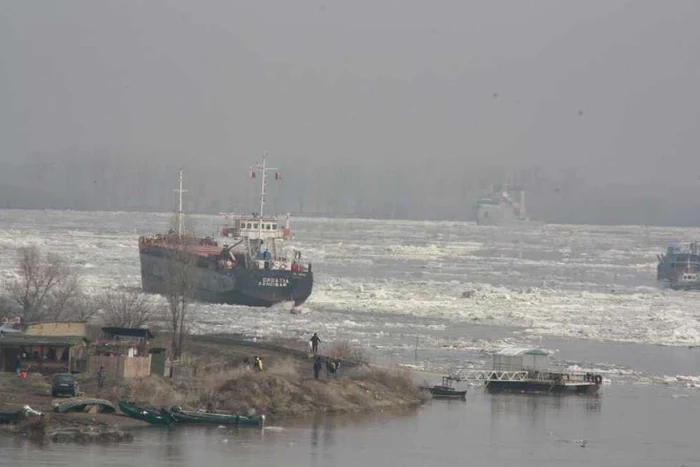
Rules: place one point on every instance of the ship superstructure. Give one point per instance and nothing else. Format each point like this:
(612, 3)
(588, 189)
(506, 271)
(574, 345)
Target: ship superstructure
(501, 206)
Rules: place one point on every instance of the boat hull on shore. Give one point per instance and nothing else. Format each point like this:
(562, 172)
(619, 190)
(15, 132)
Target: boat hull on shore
(146, 414)
(214, 418)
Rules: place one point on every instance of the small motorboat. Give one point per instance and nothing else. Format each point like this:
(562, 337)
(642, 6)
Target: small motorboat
(446, 390)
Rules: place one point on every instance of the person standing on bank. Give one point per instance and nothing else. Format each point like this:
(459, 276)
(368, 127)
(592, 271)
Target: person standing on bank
(18, 364)
(314, 343)
(101, 375)
(317, 367)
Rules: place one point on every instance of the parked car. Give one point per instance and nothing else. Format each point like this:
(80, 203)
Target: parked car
(64, 383)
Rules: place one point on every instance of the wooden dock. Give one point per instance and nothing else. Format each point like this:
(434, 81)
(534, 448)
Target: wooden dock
(535, 381)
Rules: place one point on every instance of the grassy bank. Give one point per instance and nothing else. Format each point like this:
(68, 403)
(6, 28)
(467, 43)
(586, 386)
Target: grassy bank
(213, 374)
(285, 388)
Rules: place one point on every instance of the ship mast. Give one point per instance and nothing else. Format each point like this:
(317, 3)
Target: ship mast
(180, 213)
(262, 167)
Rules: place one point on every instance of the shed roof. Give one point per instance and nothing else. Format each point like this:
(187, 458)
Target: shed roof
(8, 329)
(517, 351)
(16, 339)
(128, 332)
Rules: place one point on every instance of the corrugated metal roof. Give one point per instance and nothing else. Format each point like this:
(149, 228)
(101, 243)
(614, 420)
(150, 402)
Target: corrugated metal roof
(128, 332)
(515, 351)
(14, 339)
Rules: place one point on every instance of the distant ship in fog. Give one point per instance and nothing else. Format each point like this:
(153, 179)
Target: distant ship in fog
(501, 207)
(679, 268)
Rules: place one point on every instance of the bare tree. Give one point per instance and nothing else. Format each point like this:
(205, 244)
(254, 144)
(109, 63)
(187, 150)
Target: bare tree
(8, 308)
(129, 309)
(180, 270)
(83, 307)
(44, 285)
(63, 301)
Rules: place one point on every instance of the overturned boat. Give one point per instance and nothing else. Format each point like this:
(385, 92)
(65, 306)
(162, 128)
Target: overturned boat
(85, 404)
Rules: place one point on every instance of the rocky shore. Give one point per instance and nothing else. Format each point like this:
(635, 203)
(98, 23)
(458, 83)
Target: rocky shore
(213, 374)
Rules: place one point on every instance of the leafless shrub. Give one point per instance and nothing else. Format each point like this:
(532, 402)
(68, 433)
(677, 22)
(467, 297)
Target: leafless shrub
(396, 379)
(284, 367)
(84, 307)
(129, 309)
(345, 351)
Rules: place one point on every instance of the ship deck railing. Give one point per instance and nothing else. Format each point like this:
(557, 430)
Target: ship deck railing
(546, 376)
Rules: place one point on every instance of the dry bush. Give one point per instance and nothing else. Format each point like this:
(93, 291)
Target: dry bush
(284, 367)
(343, 350)
(152, 390)
(396, 379)
(264, 393)
(35, 428)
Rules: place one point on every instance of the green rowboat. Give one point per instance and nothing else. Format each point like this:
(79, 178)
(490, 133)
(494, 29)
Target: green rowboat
(147, 414)
(214, 418)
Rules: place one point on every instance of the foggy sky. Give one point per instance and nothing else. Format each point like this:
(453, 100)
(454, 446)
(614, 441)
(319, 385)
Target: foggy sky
(409, 103)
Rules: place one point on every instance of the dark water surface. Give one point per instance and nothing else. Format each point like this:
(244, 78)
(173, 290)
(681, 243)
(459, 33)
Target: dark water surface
(627, 425)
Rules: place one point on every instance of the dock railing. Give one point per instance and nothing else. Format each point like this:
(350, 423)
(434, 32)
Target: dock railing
(560, 377)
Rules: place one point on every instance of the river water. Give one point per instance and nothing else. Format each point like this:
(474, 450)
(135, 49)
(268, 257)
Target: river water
(625, 426)
(395, 289)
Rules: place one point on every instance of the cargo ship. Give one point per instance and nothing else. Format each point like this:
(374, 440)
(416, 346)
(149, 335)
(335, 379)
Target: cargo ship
(679, 268)
(250, 270)
(501, 207)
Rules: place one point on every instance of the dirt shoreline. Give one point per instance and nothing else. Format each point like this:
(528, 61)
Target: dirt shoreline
(284, 390)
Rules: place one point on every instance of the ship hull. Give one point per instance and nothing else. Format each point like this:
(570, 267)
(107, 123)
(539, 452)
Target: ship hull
(240, 286)
(496, 214)
(679, 271)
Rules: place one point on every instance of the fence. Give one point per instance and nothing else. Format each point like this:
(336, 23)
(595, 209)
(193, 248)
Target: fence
(121, 366)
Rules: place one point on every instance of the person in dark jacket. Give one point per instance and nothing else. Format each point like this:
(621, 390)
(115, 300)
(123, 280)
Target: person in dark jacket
(18, 364)
(317, 367)
(101, 375)
(314, 343)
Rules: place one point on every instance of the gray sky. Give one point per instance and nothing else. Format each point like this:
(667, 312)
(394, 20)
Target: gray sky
(367, 82)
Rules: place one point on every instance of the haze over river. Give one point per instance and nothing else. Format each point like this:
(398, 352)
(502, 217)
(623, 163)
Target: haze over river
(395, 288)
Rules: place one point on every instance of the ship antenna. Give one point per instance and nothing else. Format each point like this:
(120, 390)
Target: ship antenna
(263, 183)
(180, 214)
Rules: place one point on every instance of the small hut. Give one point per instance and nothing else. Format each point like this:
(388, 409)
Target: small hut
(520, 359)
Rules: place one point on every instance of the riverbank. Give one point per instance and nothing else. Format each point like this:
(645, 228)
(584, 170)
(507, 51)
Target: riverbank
(213, 374)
